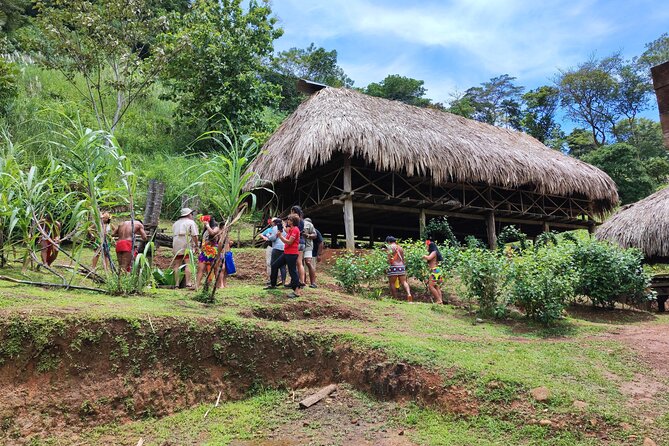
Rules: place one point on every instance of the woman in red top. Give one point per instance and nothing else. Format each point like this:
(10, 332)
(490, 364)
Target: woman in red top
(289, 256)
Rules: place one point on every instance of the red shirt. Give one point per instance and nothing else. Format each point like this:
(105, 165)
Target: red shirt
(292, 248)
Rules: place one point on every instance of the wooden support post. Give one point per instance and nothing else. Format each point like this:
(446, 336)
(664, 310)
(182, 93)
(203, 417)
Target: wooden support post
(547, 227)
(421, 223)
(591, 229)
(334, 240)
(490, 226)
(348, 206)
(371, 237)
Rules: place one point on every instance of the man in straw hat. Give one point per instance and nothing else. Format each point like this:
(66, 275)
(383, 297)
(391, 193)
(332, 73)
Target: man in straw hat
(184, 242)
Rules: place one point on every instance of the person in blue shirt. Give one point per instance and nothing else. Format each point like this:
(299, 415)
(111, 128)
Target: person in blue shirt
(268, 250)
(277, 246)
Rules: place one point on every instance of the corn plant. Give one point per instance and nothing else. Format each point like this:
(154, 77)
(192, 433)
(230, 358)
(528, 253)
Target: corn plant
(228, 183)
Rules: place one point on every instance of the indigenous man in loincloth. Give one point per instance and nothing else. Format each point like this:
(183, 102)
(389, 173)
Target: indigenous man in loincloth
(124, 248)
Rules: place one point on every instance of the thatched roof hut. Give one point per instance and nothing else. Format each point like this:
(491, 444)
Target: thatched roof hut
(402, 159)
(643, 225)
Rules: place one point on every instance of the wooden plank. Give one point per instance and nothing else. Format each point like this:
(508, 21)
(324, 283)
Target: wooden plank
(316, 397)
(349, 228)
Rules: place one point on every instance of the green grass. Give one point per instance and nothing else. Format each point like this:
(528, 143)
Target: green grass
(570, 359)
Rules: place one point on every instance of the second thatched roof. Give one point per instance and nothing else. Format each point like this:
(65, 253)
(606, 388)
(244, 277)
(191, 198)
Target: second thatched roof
(643, 225)
(393, 136)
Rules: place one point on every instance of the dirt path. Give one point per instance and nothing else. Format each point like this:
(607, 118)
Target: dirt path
(650, 340)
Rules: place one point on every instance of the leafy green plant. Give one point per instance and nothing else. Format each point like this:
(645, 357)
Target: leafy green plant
(542, 281)
(439, 230)
(609, 274)
(484, 274)
(511, 234)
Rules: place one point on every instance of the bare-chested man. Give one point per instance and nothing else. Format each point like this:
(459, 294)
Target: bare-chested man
(124, 248)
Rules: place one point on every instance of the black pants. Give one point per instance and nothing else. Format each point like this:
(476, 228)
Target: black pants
(276, 253)
(291, 261)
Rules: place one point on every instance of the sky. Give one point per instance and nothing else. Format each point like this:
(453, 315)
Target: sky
(456, 44)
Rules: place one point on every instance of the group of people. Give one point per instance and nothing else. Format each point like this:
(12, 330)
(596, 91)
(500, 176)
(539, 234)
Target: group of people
(206, 247)
(397, 269)
(295, 246)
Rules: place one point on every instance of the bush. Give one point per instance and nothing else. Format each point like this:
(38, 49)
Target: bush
(485, 276)
(608, 274)
(542, 280)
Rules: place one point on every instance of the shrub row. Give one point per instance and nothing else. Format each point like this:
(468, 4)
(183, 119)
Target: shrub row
(539, 277)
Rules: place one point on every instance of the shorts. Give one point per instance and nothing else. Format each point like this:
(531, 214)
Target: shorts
(308, 254)
(124, 246)
(397, 270)
(436, 276)
(301, 247)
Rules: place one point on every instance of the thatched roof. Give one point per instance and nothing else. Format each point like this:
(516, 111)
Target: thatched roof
(643, 225)
(394, 136)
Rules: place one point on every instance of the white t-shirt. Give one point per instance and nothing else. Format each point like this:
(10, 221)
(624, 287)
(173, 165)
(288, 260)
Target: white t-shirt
(184, 230)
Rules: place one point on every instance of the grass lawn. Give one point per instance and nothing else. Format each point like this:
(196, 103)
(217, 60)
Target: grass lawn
(498, 362)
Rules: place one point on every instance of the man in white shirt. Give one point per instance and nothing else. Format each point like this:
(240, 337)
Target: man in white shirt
(184, 242)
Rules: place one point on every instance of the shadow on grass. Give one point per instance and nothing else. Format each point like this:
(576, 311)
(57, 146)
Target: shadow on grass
(609, 316)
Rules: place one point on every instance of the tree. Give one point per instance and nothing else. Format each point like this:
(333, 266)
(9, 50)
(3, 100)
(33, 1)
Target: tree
(621, 162)
(645, 135)
(311, 63)
(111, 45)
(217, 74)
(399, 88)
(580, 143)
(657, 52)
(13, 15)
(539, 115)
(588, 93)
(461, 105)
(497, 102)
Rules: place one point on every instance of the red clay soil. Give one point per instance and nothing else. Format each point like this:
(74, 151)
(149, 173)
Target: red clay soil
(94, 372)
(650, 341)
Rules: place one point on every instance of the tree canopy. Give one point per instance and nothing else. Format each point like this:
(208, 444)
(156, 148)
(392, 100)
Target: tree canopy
(400, 88)
(311, 63)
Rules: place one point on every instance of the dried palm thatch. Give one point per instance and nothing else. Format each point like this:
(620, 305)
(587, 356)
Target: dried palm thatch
(643, 225)
(393, 136)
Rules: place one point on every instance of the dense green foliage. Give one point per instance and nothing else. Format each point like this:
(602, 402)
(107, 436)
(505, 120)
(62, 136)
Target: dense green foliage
(400, 88)
(219, 48)
(621, 162)
(311, 63)
(539, 278)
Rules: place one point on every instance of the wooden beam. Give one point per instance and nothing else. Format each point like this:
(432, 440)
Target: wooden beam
(547, 227)
(421, 223)
(348, 207)
(490, 228)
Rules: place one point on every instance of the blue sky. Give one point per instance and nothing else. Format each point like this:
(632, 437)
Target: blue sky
(453, 45)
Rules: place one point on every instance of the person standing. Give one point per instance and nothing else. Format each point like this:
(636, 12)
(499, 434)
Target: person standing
(309, 237)
(124, 245)
(184, 241)
(208, 251)
(290, 255)
(277, 248)
(103, 250)
(397, 269)
(49, 239)
(268, 249)
(436, 278)
(302, 243)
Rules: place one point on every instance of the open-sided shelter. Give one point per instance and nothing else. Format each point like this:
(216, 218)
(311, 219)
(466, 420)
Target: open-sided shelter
(366, 167)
